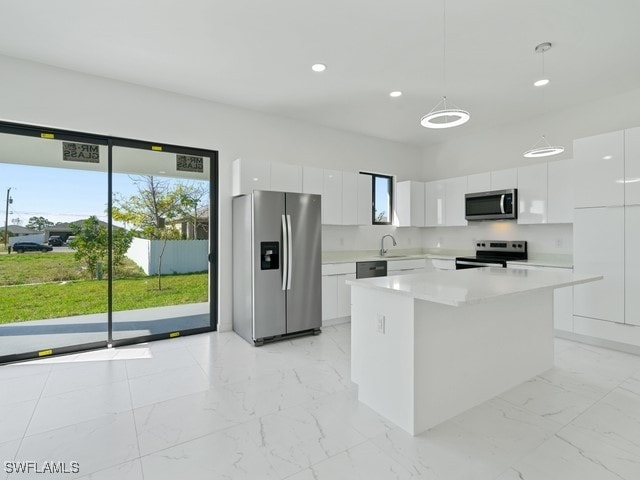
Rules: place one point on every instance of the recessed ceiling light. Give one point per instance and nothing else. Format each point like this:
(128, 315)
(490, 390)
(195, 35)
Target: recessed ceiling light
(162, 172)
(607, 157)
(318, 67)
(541, 83)
(395, 94)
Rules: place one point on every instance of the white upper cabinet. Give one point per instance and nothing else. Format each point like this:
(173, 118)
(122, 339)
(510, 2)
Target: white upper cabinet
(599, 249)
(250, 175)
(599, 170)
(286, 178)
(532, 194)
(349, 198)
(332, 197)
(479, 182)
(560, 192)
(365, 199)
(504, 179)
(312, 180)
(632, 166)
(434, 196)
(410, 203)
(455, 189)
(632, 264)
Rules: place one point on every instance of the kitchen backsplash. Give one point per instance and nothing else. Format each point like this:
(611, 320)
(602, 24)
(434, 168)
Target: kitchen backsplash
(337, 238)
(543, 239)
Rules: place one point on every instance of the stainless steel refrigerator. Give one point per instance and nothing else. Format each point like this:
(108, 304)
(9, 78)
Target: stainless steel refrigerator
(277, 249)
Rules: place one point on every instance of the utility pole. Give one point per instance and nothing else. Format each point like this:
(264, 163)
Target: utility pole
(6, 220)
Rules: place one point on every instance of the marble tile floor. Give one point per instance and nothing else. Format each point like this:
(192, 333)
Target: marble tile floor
(213, 407)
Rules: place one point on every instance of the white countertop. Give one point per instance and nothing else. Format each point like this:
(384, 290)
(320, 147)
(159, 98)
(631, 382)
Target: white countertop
(474, 285)
(538, 260)
(393, 254)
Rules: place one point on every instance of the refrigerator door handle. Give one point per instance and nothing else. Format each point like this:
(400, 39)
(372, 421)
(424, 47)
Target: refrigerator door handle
(285, 253)
(289, 252)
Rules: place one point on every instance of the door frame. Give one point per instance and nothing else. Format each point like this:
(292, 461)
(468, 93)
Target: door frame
(46, 132)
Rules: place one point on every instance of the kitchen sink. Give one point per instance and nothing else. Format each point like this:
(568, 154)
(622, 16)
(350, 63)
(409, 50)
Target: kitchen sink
(393, 256)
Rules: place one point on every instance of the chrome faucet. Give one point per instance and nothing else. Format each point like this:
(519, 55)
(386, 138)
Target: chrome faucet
(382, 250)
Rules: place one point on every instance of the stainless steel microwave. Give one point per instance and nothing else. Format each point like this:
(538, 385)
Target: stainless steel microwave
(494, 205)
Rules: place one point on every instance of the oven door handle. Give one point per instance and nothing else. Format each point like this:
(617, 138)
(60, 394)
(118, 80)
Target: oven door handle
(477, 264)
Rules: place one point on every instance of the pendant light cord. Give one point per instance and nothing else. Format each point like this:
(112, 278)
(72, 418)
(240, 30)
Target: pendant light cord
(444, 45)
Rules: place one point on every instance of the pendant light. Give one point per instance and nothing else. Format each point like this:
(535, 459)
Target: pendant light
(443, 116)
(542, 147)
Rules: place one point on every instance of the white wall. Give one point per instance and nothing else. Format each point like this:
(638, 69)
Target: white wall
(545, 239)
(179, 256)
(502, 147)
(38, 94)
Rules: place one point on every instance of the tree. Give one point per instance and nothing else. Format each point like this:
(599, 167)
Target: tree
(16, 221)
(39, 223)
(90, 243)
(156, 202)
(120, 242)
(191, 197)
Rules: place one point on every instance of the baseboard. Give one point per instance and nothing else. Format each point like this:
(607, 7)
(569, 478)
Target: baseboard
(335, 321)
(598, 342)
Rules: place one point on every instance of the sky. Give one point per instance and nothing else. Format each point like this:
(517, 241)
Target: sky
(58, 194)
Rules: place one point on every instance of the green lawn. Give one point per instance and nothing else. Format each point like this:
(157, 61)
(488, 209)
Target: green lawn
(25, 268)
(52, 300)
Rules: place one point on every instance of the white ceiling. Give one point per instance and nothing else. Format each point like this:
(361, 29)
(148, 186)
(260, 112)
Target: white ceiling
(257, 54)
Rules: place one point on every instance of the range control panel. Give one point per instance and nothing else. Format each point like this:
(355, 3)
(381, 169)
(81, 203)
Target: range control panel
(511, 246)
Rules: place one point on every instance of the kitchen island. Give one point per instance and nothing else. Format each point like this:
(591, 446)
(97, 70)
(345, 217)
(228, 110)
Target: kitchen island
(426, 347)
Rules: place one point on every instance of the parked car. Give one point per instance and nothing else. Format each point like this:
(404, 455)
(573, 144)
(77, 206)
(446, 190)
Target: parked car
(70, 239)
(55, 241)
(21, 247)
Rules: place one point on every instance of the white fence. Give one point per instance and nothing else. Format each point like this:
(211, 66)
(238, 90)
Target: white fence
(36, 237)
(180, 256)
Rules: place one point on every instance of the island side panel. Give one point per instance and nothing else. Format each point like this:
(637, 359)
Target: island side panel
(467, 355)
(382, 362)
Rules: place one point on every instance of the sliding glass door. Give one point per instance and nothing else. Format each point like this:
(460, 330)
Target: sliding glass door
(160, 207)
(52, 293)
(108, 241)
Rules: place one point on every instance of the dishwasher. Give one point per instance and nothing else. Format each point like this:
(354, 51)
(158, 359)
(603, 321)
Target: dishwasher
(377, 268)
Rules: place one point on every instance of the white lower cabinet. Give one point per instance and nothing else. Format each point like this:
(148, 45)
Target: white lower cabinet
(632, 265)
(336, 294)
(598, 248)
(329, 296)
(562, 300)
(400, 267)
(344, 295)
(443, 264)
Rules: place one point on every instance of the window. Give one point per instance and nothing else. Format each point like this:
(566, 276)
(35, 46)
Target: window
(381, 199)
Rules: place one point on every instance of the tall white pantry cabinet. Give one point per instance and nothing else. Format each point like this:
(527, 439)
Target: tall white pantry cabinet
(606, 235)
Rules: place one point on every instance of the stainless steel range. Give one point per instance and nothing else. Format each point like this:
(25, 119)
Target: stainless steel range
(494, 253)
